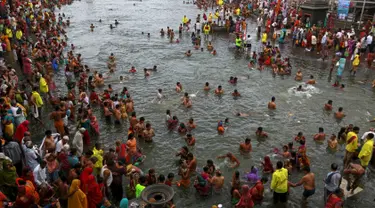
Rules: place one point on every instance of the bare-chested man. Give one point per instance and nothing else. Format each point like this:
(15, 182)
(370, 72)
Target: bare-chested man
(148, 133)
(217, 181)
(117, 114)
(107, 112)
(129, 105)
(308, 182)
(246, 147)
(57, 116)
(353, 175)
(140, 127)
(234, 161)
(191, 162)
(272, 104)
(133, 120)
(49, 142)
(339, 114)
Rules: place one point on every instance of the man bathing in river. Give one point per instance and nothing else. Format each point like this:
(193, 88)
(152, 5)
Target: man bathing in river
(308, 182)
(232, 159)
(272, 104)
(246, 146)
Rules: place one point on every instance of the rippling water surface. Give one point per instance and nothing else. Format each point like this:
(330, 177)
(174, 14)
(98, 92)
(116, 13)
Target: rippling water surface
(296, 112)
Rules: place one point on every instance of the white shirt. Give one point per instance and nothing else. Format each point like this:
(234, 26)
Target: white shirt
(313, 40)
(40, 175)
(366, 134)
(339, 34)
(198, 26)
(59, 146)
(78, 143)
(159, 95)
(248, 40)
(14, 111)
(369, 39)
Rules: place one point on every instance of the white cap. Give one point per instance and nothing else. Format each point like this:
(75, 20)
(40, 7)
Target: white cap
(219, 206)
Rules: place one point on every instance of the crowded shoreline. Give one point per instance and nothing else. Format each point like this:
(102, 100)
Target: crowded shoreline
(141, 129)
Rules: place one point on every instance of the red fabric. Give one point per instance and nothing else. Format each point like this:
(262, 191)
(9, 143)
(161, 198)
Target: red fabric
(257, 190)
(245, 200)
(84, 178)
(86, 138)
(267, 166)
(332, 201)
(20, 131)
(122, 152)
(94, 195)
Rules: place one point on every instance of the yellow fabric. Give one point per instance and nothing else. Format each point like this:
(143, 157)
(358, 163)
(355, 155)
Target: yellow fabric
(78, 199)
(351, 147)
(138, 190)
(23, 109)
(185, 20)
(264, 37)
(43, 87)
(356, 60)
(19, 34)
(279, 181)
(99, 155)
(217, 15)
(366, 152)
(9, 33)
(238, 42)
(221, 2)
(9, 129)
(238, 11)
(37, 98)
(207, 29)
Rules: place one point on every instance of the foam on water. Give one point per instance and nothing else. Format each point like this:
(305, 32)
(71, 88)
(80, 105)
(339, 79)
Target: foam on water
(308, 91)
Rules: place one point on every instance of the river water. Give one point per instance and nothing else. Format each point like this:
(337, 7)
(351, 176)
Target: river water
(295, 112)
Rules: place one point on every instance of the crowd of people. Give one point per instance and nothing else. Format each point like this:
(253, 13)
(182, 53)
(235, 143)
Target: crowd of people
(80, 173)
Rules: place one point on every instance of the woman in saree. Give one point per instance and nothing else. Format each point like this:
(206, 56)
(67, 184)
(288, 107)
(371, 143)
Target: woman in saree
(8, 177)
(76, 197)
(201, 185)
(94, 194)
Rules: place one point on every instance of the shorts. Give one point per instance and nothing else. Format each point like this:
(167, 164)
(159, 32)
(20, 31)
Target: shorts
(248, 45)
(280, 197)
(308, 193)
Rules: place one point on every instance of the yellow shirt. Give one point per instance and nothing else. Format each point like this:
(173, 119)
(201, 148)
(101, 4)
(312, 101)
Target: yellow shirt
(356, 60)
(38, 99)
(19, 34)
(264, 37)
(99, 155)
(279, 181)
(43, 87)
(366, 152)
(9, 33)
(352, 146)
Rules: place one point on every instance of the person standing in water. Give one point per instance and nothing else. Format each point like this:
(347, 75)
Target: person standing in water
(308, 182)
(272, 104)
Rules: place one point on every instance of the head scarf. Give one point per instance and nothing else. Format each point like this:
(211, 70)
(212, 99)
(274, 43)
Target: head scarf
(267, 164)
(9, 174)
(124, 203)
(85, 177)
(253, 175)
(77, 198)
(20, 131)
